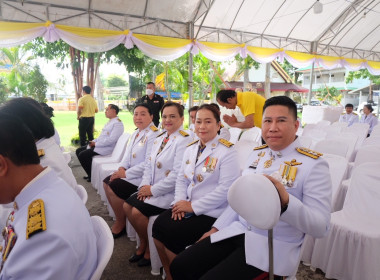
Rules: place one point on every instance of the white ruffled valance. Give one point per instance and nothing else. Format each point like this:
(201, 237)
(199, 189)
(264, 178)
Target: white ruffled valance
(166, 48)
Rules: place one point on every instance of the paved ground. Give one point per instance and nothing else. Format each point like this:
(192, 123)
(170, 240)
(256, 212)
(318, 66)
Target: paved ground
(119, 268)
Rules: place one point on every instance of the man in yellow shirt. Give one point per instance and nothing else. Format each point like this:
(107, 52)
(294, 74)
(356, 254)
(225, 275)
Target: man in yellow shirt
(87, 107)
(250, 104)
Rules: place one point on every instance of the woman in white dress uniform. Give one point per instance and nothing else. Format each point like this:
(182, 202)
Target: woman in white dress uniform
(156, 191)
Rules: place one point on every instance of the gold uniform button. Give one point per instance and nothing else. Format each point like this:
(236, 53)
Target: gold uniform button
(200, 178)
(213, 144)
(167, 173)
(188, 162)
(134, 155)
(1, 248)
(159, 165)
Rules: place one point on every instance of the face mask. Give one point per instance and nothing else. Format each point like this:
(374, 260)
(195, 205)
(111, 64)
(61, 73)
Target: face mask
(149, 91)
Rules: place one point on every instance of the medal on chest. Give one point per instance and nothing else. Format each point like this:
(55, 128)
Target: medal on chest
(256, 162)
(288, 172)
(10, 238)
(209, 165)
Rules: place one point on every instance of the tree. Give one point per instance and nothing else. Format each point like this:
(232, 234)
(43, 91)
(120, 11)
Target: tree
(364, 74)
(36, 85)
(116, 81)
(3, 90)
(243, 66)
(331, 94)
(17, 58)
(291, 70)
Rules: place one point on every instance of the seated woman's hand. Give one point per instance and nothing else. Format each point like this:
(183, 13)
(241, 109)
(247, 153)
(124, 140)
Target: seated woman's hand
(182, 206)
(144, 192)
(178, 216)
(207, 234)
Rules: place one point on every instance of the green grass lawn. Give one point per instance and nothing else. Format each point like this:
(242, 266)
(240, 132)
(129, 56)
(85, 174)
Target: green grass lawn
(67, 124)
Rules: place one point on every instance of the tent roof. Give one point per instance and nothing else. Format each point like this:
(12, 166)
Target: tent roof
(349, 28)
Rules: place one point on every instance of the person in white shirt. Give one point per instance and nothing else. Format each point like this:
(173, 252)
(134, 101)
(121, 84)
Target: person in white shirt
(105, 143)
(349, 117)
(192, 113)
(369, 117)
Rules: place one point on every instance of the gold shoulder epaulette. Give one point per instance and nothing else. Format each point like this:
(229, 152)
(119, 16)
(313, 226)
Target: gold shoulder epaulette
(192, 143)
(183, 133)
(225, 142)
(41, 152)
(153, 128)
(343, 113)
(355, 113)
(260, 147)
(308, 152)
(36, 218)
(160, 134)
(221, 125)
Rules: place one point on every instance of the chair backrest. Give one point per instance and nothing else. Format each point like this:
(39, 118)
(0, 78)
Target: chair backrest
(235, 134)
(367, 154)
(252, 134)
(119, 149)
(306, 141)
(363, 194)
(244, 148)
(81, 191)
(376, 131)
(332, 146)
(332, 131)
(104, 245)
(372, 141)
(350, 139)
(323, 123)
(340, 124)
(67, 157)
(338, 168)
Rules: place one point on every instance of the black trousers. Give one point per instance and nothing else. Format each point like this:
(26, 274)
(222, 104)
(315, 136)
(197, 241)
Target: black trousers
(221, 260)
(86, 126)
(85, 158)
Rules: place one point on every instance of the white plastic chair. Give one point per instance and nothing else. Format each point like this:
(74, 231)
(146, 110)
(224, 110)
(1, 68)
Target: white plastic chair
(350, 139)
(104, 245)
(244, 148)
(81, 191)
(306, 141)
(105, 170)
(116, 156)
(340, 124)
(373, 140)
(332, 131)
(351, 248)
(365, 155)
(253, 134)
(322, 124)
(235, 134)
(332, 146)
(154, 257)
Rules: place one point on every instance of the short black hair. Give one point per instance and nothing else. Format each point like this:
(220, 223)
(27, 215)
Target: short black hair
(224, 94)
(47, 109)
(151, 83)
(194, 108)
(31, 114)
(216, 106)
(349, 105)
(212, 109)
(116, 108)
(369, 107)
(173, 104)
(87, 89)
(283, 101)
(145, 105)
(17, 142)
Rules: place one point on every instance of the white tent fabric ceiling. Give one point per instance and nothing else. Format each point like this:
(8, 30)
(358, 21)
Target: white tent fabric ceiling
(349, 28)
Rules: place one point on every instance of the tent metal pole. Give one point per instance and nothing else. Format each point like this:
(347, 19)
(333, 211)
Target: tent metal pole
(267, 80)
(270, 245)
(190, 81)
(311, 84)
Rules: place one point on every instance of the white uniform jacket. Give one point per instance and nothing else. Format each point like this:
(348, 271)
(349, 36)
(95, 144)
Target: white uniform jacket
(138, 151)
(107, 139)
(54, 158)
(308, 212)
(206, 182)
(66, 250)
(161, 170)
(349, 118)
(371, 119)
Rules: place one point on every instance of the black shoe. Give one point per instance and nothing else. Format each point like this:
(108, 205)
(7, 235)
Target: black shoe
(121, 233)
(88, 179)
(85, 177)
(136, 258)
(143, 262)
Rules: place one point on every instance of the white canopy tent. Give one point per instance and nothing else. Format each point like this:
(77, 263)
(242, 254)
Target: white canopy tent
(345, 34)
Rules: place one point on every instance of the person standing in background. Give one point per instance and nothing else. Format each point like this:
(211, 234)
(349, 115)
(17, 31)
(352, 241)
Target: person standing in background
(192, 114)
(250, 104)
(349, 117)
(87, 107)
(154, 101)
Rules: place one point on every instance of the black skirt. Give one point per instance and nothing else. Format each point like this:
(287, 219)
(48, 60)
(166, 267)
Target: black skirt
(146, 209)
(120, 187)
(177, 235)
